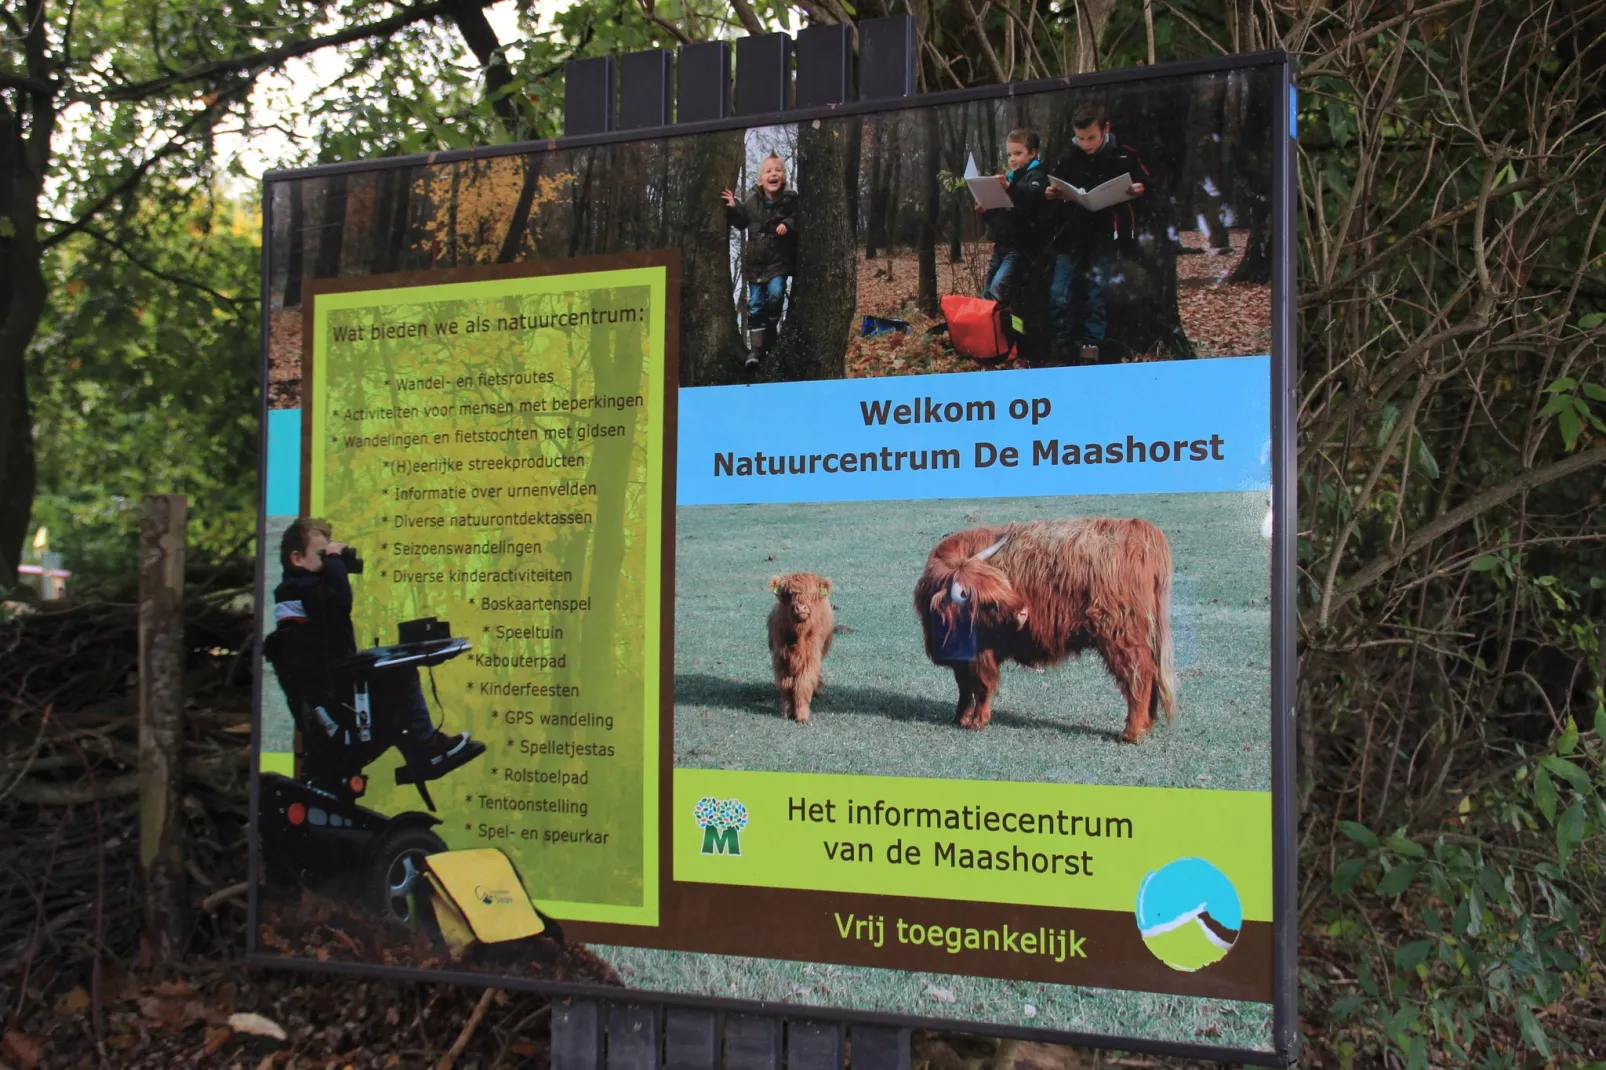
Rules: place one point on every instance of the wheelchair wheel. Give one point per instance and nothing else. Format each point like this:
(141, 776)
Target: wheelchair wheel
(395, 886)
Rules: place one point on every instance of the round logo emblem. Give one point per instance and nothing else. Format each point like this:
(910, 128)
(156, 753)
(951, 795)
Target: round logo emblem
(1189, 914)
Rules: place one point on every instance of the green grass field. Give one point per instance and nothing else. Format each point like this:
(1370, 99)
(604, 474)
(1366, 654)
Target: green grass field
(887, 710)
(967, 999)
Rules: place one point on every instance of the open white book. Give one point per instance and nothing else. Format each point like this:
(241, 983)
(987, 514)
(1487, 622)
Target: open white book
(1099, 197)
(986, 188)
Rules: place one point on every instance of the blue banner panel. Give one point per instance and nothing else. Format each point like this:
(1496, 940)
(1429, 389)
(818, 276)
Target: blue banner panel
(284, 462)
(1165, 427)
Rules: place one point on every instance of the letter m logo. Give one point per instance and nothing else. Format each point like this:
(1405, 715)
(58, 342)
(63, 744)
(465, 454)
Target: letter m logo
(718, 841)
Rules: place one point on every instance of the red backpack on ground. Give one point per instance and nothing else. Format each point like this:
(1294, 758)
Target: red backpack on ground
(978, 327)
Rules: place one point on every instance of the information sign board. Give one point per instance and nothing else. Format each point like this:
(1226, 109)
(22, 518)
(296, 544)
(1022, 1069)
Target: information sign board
(733, 565)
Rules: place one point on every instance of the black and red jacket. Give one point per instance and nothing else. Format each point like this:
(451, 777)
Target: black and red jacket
(1081, 230)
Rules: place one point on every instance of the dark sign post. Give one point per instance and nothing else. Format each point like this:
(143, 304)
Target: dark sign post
(769, 552)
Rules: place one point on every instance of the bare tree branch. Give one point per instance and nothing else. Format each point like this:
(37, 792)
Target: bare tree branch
(1474, 507)
(150, 269)
(749, 20)
(986, 45)
(272, 57)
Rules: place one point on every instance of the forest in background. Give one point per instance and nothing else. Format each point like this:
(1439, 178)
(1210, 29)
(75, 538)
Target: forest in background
(1452, 393)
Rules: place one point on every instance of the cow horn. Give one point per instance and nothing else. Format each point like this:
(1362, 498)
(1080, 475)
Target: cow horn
(956, 594)
(993, 549)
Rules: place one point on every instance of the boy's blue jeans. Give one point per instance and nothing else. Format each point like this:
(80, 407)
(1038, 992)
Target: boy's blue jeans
(1002, 271)
(764, 300)
(1089, 271)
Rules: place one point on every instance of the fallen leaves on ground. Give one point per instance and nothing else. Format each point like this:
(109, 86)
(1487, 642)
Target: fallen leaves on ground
(22, 1049)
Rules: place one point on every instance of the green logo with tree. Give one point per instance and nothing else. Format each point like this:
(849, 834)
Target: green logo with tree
(722, 821)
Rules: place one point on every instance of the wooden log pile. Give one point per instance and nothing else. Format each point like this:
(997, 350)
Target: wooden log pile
(69, 782)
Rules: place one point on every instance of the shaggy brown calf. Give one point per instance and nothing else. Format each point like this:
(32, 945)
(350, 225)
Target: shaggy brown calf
(800, 636)
(1040, 592)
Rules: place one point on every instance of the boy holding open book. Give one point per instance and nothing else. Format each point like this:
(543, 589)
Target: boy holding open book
(1019, 232)
(1095, 221)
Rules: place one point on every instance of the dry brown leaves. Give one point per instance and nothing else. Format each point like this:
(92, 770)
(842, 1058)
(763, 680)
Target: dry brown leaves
(1222, 319)
(284, 359)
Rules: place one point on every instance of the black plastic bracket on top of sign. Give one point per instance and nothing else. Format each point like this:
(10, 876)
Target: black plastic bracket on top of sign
(703, 82)
(657, 89)
(824, 66)
(646, 89)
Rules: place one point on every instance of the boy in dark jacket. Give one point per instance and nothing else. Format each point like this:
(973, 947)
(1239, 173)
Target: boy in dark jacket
(1020, 234)
(313, 601)
(769, 218)
(1085, 242)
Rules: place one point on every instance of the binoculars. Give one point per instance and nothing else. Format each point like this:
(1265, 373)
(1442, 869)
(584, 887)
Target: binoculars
(349, 556)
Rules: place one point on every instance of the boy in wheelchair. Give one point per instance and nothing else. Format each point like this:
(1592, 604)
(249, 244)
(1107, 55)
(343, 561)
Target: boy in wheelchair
(350, 709)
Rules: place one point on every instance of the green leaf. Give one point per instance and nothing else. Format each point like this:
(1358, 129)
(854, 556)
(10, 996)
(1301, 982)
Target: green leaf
(1593, 320)
(1564, 383)
(1346, 873)
(1558, 403)
(1389, 416)
(1486, 563)
(1402, 846)
(1345, 1007)
(1398, 879)
(1570, 426)
(1568, 741)
(1570, 830)
(1412, 955)
(1569, 772)
(1425, 462)
(1532, 1032)
(1595, 392)
(1359, 833)
(1545, 794)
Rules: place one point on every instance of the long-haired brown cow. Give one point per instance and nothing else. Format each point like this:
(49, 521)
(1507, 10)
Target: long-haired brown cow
(801, 625)
(1039, 592)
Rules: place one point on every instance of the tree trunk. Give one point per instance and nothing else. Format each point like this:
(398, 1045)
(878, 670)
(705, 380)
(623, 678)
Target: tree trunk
(1254, 186)
(331, 228)
(813, 339)
(850, 171)
(875, 225)
(931, 209)
(295, 269)
(161, 723)
(1144, 318)
(513, 240)
(22, 291)
(711, 349)
(18, 465)
(1255, 267)
(957, 207)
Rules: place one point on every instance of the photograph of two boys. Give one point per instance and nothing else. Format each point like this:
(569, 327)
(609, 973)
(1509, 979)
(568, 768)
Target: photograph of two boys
(1099, 227)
